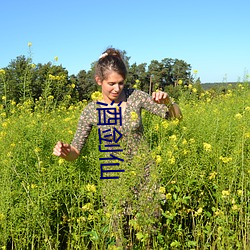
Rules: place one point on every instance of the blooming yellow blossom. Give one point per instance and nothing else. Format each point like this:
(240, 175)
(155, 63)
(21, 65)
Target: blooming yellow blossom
(198, 212)
(164, 124)
(235, 207)
(207, 147)
(2, 72)
(238, 116)
(96, 96)
(239, 192)
(168, 196)
(195, 71)
(133, 116)
(37, 149)
(56, 58)
(162, 190)
(156, 127)
(191, 140)
(225, 193)
(135, 86)
(91, 188)
(87, 207)
(3, 97)
(60, 161)
(247, 108)
(212, 175)
(173, 137)
(158, 159)
(2, 217)
(184, 141)
(137, 81)
(180, 82)
(194, 90)
(171, 160)
(29, 44)
(225, 159)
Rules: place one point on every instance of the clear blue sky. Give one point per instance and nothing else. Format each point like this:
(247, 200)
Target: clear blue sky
(212, 36)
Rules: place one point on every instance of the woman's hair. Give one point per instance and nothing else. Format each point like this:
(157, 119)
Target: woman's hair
(110, 60)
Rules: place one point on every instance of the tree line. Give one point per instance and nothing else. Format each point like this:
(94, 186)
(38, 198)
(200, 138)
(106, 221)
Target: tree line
(22, 79)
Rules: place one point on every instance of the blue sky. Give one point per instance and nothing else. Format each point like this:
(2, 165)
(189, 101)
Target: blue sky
(212, 36)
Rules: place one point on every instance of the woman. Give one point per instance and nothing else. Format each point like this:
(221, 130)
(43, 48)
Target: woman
(110, 74)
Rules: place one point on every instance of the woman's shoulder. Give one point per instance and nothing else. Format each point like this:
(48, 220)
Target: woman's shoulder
(90, 107)
(136, 93)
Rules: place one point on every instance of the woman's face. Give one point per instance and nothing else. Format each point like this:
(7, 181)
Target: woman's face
(112, 86)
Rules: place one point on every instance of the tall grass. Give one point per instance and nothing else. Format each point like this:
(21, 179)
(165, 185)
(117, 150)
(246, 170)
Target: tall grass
(202, 162)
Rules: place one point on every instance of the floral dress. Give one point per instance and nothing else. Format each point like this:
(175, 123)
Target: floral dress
(137, 190)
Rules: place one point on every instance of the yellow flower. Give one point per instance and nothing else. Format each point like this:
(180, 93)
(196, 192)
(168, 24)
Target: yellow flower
(135, 86)
(225, 193)
(239, 192)
(87, 207)
(194, 90)
(190, 86)
(51, 77)
(162, 190)
(137, 81)
(29, 44)
(2, 72)
(168, 196)
(96, 96)
(91, 188)
(37, 149)
(56, 58)
(133, 116)
(225, 159)
(156, 127)
(73, 85)
(171, 160)
(158, 159)
(247, 135)
(180, 82)
(191, 140)
(235, 207)
(164, 124)
(3, 97)
(246, 108)
(238, 116)
(207, 147)
(173, 137)
(50, 97)
(61, 161)
(195, 71)
(2, 217)
(212, 175)
(198, 212)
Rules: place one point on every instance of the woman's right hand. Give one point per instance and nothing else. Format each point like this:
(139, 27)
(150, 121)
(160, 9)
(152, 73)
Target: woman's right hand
(61, 149)
(66, 151)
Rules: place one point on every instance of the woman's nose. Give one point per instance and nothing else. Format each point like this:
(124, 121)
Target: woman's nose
(116, 87)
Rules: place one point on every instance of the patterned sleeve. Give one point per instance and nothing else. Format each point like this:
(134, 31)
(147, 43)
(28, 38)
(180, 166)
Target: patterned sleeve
(84, 127)
(151, 106)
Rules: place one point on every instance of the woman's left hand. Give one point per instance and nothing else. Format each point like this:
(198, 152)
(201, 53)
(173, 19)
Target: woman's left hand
(161, 97)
